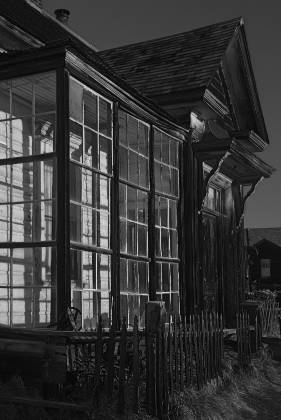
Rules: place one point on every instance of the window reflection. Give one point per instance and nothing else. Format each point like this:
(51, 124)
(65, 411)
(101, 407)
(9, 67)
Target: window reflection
(90, 183)
(133, 213)
(27, 214)
(89, 207)
(91, 285)
(166, 165)
(27, 114)
(133, 289)
(166, 172)
(90, 128)
(27, 288)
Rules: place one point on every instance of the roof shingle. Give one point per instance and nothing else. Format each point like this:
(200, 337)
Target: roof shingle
(174, 63)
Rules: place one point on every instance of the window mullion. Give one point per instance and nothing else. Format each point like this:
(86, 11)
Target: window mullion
(115, 222)
(151, 219)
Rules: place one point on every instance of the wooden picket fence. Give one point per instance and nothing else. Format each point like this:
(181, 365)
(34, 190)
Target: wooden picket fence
(243, 340)
(108, 364)
(140, 371)
(182, 353)
(270, 312)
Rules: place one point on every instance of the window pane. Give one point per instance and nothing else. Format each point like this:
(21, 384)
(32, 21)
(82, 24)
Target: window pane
(105, 120)
(132, 276)
(76, 141)
(143, 172)
(123, 163)
(75, 223)
(172, 214)
(132, 203)
(123, 236)
(124, 306)
(122, 200)
(122, 120)
(174, 243)
(165, 242)
(105, 154)
(5, 91)
(31, 299)
(103, 230)
(174, 277)
(76, 100)
(44, 133)
(4, 138)
(132, 127)
(133, 167)
(174, 153)
(143, 277)
(22, 96)
(123, 275)
(26, 131)
(90, 110)
(88, 270)
(103, 272)
(165, 149)
(133, 308)
(143, 139)
(21, 137)
(75, 268)
(92, 297)
(5, 223)
(164, 211)
(132, 238)
(89, 226)
(91, 148)
(142, 207)
(142, 241)
(75, 182)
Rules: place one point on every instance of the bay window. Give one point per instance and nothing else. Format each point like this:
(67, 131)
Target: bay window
(28, 200)
(61, 234)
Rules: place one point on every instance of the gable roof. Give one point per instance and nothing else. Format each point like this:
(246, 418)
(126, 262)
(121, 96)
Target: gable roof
(257, 235)
(184, 61)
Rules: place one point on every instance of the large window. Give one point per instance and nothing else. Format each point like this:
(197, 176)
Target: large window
(166, 173)
(90, 183)
(27, 200)
(133, 213)
(38, 226)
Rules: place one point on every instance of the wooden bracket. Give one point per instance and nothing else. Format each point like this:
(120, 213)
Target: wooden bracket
(213, 172)
(240, 201)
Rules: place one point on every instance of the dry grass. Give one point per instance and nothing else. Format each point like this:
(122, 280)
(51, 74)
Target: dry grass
(239, 395)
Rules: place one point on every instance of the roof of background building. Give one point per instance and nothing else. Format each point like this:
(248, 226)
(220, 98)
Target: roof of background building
(270, 234)
(174, 63)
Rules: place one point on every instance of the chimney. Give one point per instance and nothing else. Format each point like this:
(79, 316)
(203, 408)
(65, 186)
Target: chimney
(62, 15)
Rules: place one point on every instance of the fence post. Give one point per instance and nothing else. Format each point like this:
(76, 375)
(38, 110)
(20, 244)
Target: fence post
(136, 374)
(123, 346)
(155, 316)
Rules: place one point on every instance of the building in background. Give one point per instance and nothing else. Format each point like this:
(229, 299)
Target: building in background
(264, 250)
(123, 173)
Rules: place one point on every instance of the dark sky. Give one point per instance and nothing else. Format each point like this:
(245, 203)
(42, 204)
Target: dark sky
(110, 23)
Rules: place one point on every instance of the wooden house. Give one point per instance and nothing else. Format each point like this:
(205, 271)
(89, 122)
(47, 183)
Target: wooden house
(264, 254)
(123, 173)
